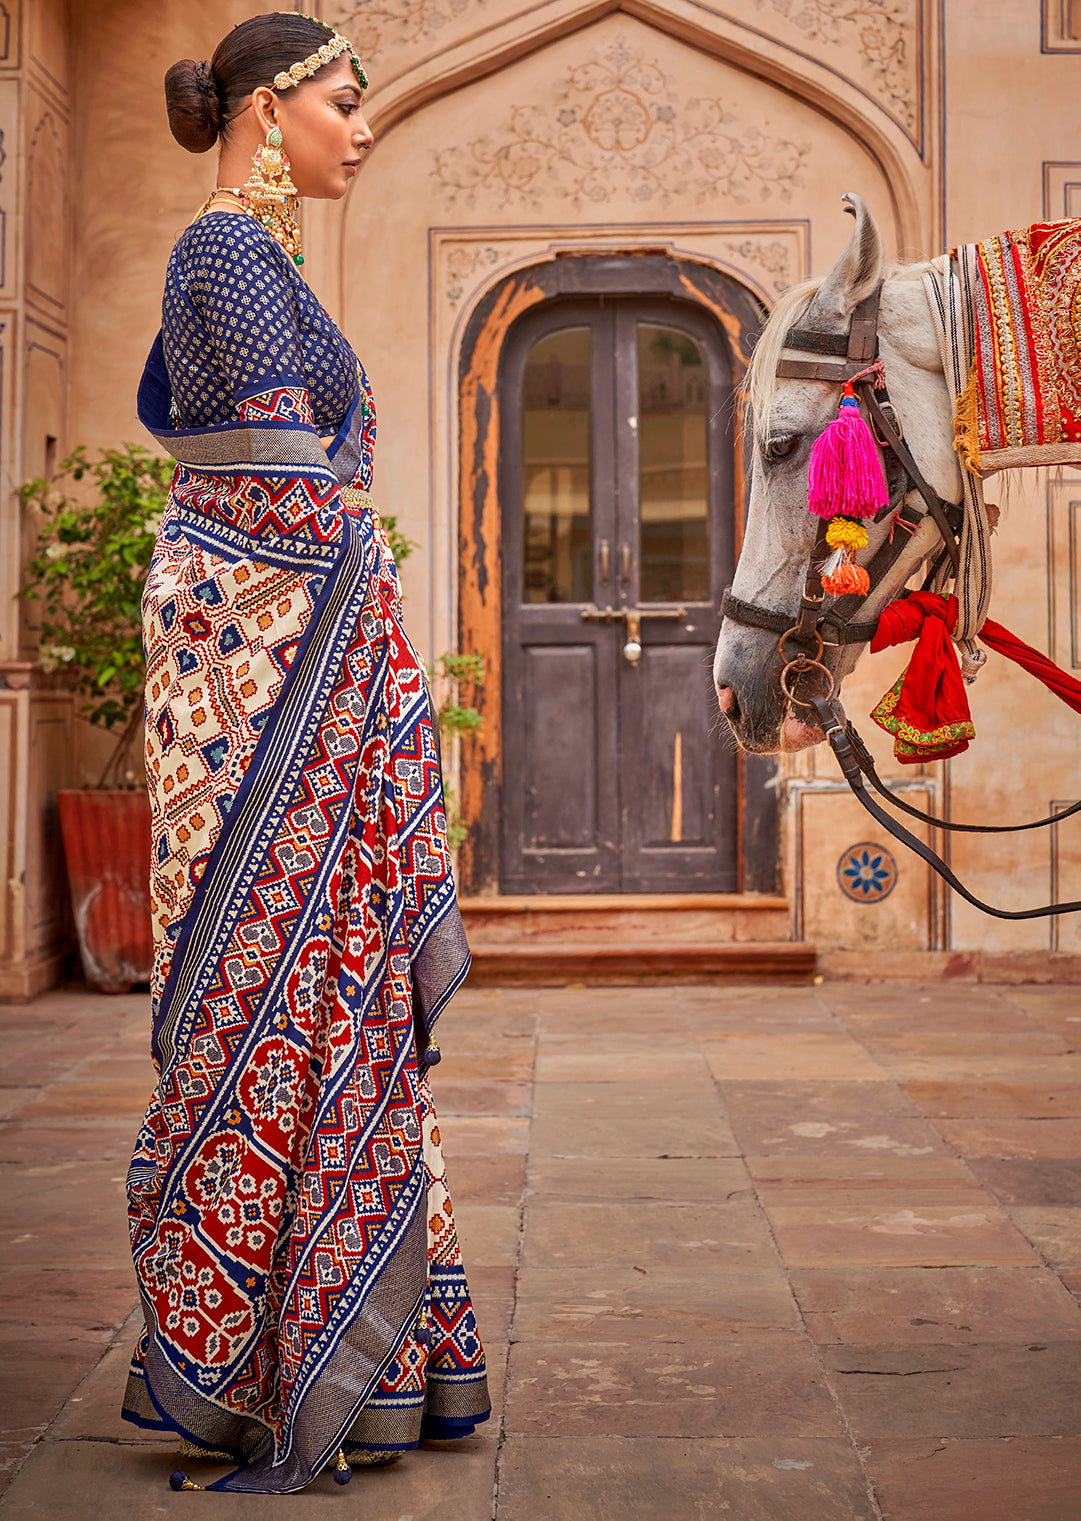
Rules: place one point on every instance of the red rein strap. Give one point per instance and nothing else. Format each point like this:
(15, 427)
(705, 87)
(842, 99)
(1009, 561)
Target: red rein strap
(927, 709)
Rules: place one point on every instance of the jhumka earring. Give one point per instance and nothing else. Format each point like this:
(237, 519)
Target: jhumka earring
(270, 193)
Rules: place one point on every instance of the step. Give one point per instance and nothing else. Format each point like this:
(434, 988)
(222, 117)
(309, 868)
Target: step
(552, 965)
(633, 937)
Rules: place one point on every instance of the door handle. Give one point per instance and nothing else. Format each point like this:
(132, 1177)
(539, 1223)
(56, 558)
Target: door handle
(604, 560)
(624, 563)
(632, 616)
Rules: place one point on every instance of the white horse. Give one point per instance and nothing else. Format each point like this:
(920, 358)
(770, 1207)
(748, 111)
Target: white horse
(789, 415)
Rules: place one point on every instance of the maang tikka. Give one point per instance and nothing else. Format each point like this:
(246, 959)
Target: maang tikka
(271, 195)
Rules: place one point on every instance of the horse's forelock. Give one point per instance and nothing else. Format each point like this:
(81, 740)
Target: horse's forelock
(759, 388)
(760, 382)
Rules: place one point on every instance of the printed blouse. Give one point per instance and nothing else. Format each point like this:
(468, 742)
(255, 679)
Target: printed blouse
(238, 321)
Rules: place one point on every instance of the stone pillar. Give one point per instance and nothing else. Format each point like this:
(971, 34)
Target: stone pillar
(35, 723)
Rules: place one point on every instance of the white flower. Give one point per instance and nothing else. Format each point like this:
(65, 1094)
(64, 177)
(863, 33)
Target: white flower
(151, 524)
(53, 655)
(56, 551)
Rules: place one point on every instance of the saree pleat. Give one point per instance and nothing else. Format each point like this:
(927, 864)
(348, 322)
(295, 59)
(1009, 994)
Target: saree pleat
(291, 1228)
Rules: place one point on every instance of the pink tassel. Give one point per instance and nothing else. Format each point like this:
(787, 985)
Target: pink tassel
(845, 474)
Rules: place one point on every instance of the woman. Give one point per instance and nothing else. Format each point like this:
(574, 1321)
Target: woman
(291, 1229)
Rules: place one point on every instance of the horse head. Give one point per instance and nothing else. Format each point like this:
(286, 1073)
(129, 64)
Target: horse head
(788, 415)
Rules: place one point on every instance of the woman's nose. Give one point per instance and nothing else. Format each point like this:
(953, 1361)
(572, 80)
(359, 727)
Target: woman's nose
(364, 135)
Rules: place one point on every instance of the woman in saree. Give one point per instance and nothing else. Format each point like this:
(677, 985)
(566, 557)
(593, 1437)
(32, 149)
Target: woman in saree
(291, 1229)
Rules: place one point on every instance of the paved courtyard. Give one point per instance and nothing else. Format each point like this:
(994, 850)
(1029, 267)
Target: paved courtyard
(746, 1253)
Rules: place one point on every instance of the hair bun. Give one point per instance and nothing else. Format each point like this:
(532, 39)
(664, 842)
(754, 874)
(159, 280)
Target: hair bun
(194, 102)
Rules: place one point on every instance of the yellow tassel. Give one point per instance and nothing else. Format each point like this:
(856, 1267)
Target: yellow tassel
(966, 424)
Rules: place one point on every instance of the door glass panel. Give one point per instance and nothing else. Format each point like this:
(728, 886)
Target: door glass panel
(557, 528)
(673, 466)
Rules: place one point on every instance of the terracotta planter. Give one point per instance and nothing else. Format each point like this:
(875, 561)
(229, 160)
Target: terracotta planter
(107, 848)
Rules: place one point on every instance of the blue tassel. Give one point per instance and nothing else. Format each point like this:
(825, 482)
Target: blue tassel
(342, 1472)
(178, 1479)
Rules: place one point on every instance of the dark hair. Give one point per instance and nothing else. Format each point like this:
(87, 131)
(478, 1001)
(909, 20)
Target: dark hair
(202, 98)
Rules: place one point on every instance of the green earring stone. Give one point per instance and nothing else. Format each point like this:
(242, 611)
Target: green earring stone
(274, 138)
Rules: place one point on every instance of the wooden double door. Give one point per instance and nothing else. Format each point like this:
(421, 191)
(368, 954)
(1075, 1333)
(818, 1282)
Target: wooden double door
(617, 499)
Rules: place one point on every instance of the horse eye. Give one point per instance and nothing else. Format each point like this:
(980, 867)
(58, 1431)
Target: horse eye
(781, 445)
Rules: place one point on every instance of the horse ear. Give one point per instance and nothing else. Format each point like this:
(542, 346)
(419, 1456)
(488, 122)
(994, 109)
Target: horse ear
(855, 275)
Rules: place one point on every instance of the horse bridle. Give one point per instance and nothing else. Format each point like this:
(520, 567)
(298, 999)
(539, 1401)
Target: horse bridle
(855, 357)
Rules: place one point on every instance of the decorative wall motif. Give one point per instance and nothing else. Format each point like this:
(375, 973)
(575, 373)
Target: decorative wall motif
(883, 34)
(1061, 28)
(617, 126)
(772, 255)
(1061, 190)
(463, 261)
(375, 26)
(47, 201)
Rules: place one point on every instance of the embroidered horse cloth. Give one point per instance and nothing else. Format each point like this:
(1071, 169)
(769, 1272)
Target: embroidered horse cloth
(291, 1228)
(1022, 404)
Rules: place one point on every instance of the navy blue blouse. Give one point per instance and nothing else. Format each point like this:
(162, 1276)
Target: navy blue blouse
(239, 320)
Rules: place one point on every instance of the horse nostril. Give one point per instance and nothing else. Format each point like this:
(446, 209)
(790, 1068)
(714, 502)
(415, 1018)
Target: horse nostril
(728, 702)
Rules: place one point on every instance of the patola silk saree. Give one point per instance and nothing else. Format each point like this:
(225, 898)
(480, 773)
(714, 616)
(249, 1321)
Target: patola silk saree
(291, 1228)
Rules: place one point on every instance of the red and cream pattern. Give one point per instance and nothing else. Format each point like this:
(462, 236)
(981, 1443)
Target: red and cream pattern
(1022, 405)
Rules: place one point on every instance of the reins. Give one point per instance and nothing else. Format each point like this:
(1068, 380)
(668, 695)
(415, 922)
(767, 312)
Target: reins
(854, 358)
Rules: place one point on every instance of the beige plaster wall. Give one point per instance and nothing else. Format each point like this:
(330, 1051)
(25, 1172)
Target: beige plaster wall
(476, 172)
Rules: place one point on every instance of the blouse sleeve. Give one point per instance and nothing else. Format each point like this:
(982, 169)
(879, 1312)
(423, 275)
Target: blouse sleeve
(237, 286)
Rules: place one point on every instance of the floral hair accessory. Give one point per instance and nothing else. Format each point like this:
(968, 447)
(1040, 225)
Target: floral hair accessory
(318, 60)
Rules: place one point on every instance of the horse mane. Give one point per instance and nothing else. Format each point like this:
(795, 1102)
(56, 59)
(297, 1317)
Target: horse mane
(759, 385)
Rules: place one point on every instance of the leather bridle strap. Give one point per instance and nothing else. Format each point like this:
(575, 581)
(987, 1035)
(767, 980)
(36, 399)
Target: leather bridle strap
(866, 764)
(838, 733)
(935, 505)
(753, 616)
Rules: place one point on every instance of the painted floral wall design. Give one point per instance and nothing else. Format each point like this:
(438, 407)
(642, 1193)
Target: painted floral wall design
(616, 126)
(881, 32)
(375, 27)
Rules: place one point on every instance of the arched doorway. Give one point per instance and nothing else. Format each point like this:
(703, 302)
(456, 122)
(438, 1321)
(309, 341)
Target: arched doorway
(618, 532)
(602, 486)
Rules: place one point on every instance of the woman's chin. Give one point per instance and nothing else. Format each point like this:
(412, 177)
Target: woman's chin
(796, 735)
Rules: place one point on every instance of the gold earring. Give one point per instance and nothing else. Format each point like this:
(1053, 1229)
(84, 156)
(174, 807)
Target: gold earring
(269, 193)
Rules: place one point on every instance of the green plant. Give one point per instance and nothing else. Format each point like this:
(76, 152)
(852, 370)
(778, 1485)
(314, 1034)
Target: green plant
(96, 526)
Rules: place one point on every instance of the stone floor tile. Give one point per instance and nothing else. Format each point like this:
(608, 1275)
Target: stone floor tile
(482, 1135)
(645, 1235)
(664, 1180)
(1017, 1479)
(1035, 1181)
(39, 1369)
(1051, 1006)
(613, 1479)
(974, 1100)
(456, 1066)
(885, 1305)
(628, 1120)
(1006, 1136)
(488, 1233)
(628, 1304)
(964, 1003)
(99, 1481)
(1025, 1070)
(488, 1180)
(933, 1039)
(40, 1142)
(956, 1391)
(667, 1389)
(934, 1179)
(839, 1119)
(93, 1411)
(69, 1213)
(14, 1100)
(803, 1056)
(888, 1233)
(77, 1299)
(86, 1099)
(479, 1097)
(1056, 1233)
(622, 1058)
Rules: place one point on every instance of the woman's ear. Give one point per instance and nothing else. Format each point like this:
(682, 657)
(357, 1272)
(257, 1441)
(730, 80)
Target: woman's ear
(265, 106)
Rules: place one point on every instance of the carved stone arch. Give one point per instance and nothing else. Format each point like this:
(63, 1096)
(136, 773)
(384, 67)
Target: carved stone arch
(483, 332)
(824, 89)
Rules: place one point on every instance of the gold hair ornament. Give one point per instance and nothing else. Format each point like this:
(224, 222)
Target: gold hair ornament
(319, 60)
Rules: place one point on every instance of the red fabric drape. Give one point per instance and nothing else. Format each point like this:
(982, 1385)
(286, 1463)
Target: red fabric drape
(926, 710)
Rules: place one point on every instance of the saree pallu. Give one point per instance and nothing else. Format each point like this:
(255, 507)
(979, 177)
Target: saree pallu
(291, 1228)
